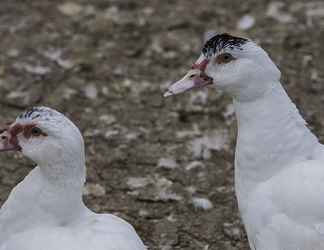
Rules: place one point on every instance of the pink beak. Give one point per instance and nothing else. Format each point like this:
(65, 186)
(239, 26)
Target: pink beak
(195, 78)
(8, 140)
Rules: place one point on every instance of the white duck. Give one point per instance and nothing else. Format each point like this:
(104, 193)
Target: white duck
(279, 163)
(45, 211)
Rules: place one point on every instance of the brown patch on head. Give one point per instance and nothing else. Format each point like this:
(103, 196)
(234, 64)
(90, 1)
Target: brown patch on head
(28, 131)
(15, 130)
(32, 130)
(9, 135)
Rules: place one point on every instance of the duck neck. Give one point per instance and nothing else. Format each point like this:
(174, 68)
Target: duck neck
(63, 184)
(64, 174)
(50, 195)
(271, 135)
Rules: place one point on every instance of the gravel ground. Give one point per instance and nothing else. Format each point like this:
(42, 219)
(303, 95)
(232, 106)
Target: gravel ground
(166, 166)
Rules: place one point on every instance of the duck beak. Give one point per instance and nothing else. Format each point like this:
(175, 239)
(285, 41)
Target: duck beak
(8, 142)
(195, 78)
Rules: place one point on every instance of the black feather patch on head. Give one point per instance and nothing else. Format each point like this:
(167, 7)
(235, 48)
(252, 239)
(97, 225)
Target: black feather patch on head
(222, 41)
(31, 113)
(37, 112)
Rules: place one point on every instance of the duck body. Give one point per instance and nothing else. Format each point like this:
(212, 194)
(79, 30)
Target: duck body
(30, 220)
(279, 175)
(46, 211)
(286, 213)
(279, 163)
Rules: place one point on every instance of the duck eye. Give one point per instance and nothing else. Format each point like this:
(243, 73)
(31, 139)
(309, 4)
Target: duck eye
(36, 131)
(224, 58)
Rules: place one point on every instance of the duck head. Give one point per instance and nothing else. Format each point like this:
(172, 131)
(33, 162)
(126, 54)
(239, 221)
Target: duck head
(44, 135)
(235, 65)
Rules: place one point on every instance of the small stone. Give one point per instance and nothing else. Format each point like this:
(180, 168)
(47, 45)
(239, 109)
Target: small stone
(134, 193)
(165, 247)
(246, 22)
(127, 82)
(229, 114)
(170, 55)
(91, 91)
(88, 110)
(307, 60)
(198, 98)
(143, 213)
(202, 203)
(167, 163)
(108, 119)
(112, 13)
(275, 11)
(16, 94)
(92, 133)
(33, 69)
(119, 70)
(94, 189)
(56, 56)
(232, 231)
(189, 133)
(13, 53)
(137, 182)
(131, 136)
(315, 9)
(169, 196)
(229, 111)
(70, 8)
(191, 189)
(206, 247)
(105, 91)
(156, 46)
(314, 75)
(222, 189)
(68, 93)
(216, 140)
(171, 218)
(165, 194)
(148, 11)
(111, 133)
(194, 165)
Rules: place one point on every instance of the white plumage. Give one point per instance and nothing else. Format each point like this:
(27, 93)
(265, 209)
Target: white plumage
(279, 163)
(45, 211)
(279, 175)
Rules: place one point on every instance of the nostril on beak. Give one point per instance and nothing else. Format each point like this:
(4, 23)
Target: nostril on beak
(3, 135)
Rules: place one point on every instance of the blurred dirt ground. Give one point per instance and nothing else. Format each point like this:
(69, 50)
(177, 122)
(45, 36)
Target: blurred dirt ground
(106, 63)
